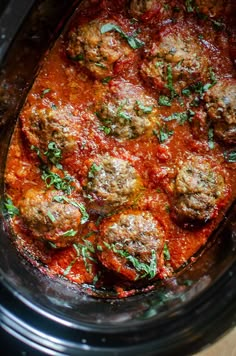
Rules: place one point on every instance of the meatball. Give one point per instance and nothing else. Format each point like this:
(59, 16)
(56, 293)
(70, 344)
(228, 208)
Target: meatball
(221, 109)
(127, 111)
(112, 182)
(198, 190)
(48, 219)
(96, 51)
(174, 62)
(131, 244)
(148, 9)
(42, 126)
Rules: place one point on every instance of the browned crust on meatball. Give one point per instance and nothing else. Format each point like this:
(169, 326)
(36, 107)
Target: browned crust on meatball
(96, 51)
(48, 219)
(198, 190)
(220, 104)
(130, 244)
(112, 182)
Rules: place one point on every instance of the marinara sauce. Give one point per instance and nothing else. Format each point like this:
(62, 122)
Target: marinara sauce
(122, 162)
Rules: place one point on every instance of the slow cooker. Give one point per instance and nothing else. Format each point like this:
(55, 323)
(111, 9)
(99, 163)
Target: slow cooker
(41, 315)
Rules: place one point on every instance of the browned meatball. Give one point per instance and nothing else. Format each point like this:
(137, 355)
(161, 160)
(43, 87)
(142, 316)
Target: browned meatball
(50, 220)
(112, 182)
(127, 112)
(148, 9)
(96, 51)
(198, 190)
(42, 126)
(221, 109)
(130, 244)
(175, 61)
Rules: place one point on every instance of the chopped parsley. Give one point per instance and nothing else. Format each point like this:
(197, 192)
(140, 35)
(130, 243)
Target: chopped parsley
(230, 156)
(101, 65)
(164, 100)
(44, 92)
(79, 57)
(106, 80)
(124, 115)
(69, 233)
(132, 40)
(80, 206)
(86, 251)
(170, 85)
(53, 154)
(146, 270)
(180, 117)
(163, 134)
(93, 170)
(166, 252)
(53, 179)
(51, 216)
(9, 208)
(105, 129)
(143, 108)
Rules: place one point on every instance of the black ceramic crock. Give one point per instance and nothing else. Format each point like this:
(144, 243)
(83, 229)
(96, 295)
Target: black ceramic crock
(50, 315)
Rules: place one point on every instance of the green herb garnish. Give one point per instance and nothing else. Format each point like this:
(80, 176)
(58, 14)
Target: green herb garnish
(230, 156)
(163, 134)
(147, 270)
(9, 208)
(44, 92)
(106, 80)
(107, 130)
(180, 117)
(78, 58)
(86, 251)
(69, 233)
(80, 206)
(51, 216)
(143, 108)
(53, 154)
(101, 65)
(53, 179)
(164, 100)
(170, 85)
(132, 40)
(166, 252)
(93, 170)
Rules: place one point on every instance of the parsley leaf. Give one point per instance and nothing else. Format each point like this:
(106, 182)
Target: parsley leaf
(164, 100)
(133, 41)
(180, 117)
(51, 216)
(62, 198)
(44, 92)
(9, 208)
(166, 252)
(143, 108)
(170, 84)
(93, 170)
(53, 154)
(70, 233)
(53, 179)
(230, 156)
(147, 270)
(163, 134)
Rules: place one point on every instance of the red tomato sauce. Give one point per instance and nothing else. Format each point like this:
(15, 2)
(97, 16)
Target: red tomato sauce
(62, 82)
